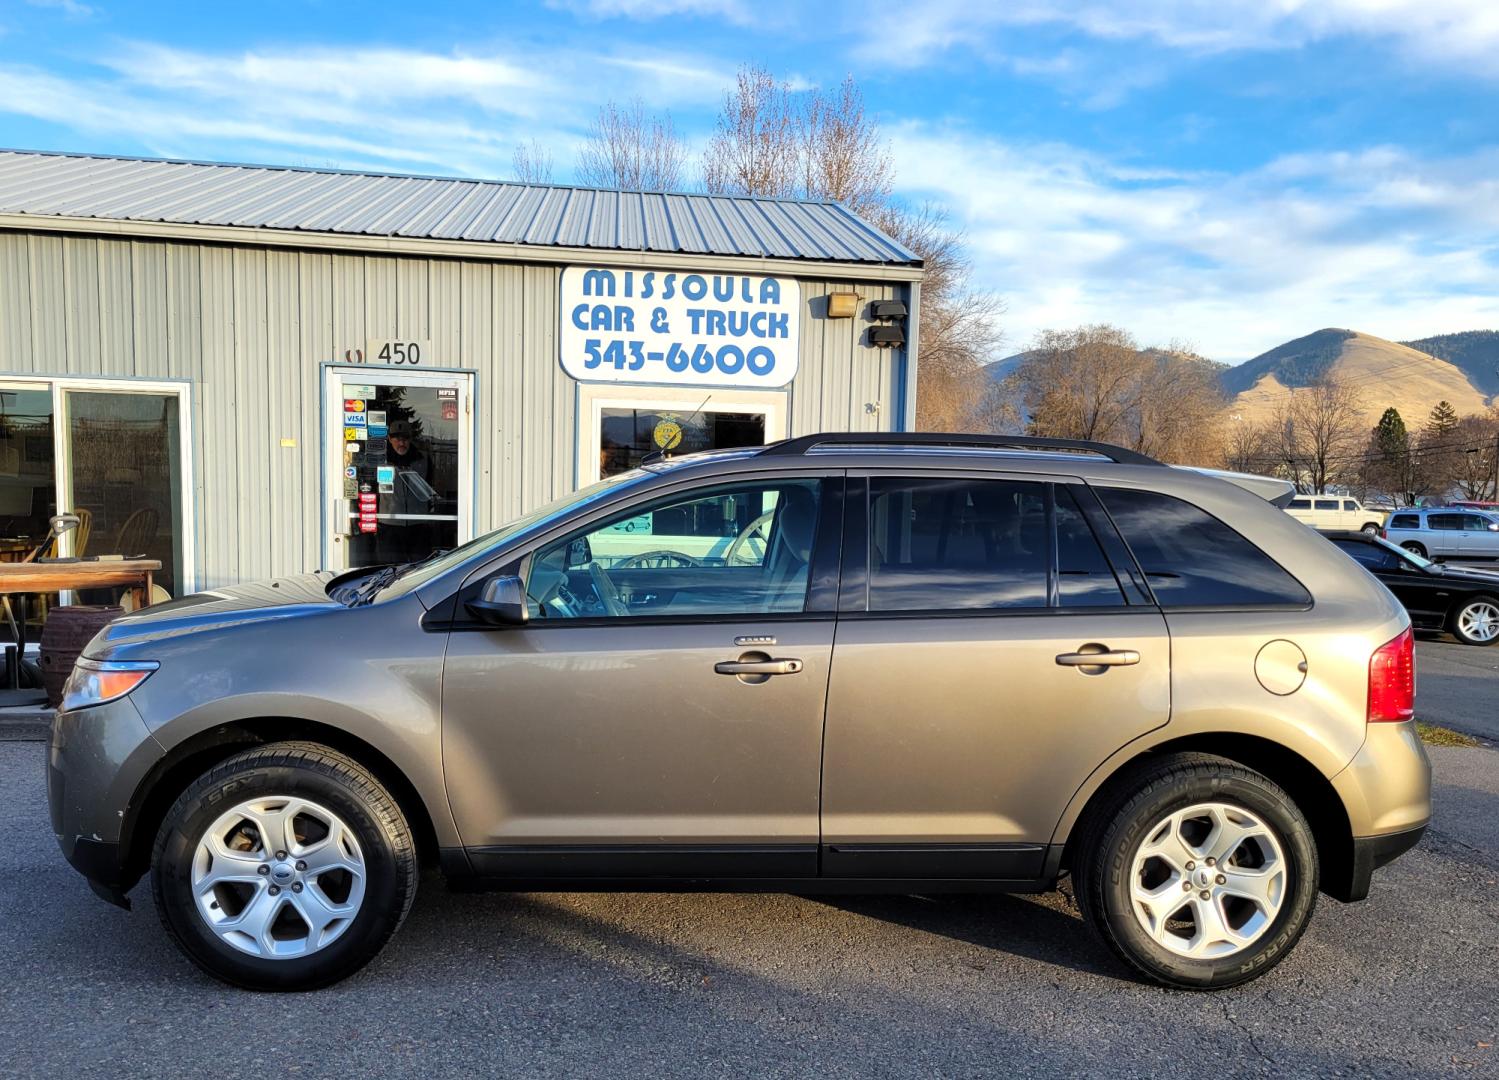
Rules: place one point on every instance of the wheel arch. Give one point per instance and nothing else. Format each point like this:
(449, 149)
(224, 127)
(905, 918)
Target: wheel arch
(198, 753)
(1312, 792)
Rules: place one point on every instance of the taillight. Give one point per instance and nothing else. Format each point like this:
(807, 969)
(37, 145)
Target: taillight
(1392, 680)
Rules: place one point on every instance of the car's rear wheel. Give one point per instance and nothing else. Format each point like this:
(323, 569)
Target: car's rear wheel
(1415, 548)
(1476, 621)
(286, 867)
(1198, 872)
(1371, 528)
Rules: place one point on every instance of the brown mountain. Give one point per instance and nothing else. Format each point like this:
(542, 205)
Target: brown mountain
(1384, 372)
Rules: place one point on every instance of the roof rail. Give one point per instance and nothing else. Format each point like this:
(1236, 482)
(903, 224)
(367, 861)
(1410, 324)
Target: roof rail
(803, 443)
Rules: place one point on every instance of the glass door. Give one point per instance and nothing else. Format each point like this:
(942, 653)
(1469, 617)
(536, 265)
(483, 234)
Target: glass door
(398, 463)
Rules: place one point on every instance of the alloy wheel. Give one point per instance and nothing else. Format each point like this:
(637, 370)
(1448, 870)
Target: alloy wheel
(1208, 880)
(278, 877)
(1479, 621)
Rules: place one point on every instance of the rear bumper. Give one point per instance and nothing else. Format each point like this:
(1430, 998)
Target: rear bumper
(1386, 791)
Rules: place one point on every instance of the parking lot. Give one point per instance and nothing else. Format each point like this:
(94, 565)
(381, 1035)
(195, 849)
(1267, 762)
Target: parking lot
(1406, 984)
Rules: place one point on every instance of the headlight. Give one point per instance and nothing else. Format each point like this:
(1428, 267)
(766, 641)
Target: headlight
(93, 682)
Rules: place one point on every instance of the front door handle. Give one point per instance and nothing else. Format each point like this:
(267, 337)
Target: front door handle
(782, 666)
(1098, 656)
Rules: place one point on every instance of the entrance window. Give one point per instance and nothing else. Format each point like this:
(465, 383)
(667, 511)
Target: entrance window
(627, 435)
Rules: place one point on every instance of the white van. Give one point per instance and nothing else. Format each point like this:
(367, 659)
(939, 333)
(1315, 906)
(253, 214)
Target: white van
(1335, 513)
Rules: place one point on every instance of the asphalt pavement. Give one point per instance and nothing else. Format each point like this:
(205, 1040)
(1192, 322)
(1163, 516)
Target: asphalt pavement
(1405, 984)
(1457, 686)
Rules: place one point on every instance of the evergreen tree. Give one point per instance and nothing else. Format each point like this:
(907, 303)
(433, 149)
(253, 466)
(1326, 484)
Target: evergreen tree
(1442, 420)
(1391, 440)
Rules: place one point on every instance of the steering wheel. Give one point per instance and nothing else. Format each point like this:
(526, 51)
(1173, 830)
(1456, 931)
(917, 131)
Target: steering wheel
(743, 539)
(608, 594)
(657, 560)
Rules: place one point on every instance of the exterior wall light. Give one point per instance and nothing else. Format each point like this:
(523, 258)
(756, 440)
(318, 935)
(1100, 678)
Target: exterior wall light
(843, 305)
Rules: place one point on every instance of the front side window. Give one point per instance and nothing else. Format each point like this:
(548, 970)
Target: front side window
(1476, 523)
(737, 549)
(1194, 560)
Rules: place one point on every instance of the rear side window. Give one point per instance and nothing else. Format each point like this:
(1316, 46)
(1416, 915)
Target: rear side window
(1371, 555)
(1405, 521)
(1301, 504)
(945, 544)
(1194, 560)
(1084, 578)
(1327, 504)
(1445, 522)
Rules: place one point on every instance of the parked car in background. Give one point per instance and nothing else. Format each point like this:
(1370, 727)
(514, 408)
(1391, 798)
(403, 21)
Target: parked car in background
(865, 662)
(1459, 599)
(1445, 533)
(1330, 512)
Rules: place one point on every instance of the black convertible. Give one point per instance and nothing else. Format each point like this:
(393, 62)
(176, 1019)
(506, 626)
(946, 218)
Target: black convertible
(1462, 599)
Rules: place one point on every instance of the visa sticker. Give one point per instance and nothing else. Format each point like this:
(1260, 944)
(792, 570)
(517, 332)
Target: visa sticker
(355, 419)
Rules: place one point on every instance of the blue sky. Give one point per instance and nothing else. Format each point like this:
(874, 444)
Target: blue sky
(1225, 174)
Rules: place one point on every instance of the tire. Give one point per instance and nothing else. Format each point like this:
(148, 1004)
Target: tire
(1370, 528)
(1475, 621)
(357, 881)
(1414, 548)
(1125, 826)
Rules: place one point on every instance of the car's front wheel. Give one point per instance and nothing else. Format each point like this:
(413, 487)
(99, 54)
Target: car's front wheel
(1476, 621)
(286, 867)
(1198, 872)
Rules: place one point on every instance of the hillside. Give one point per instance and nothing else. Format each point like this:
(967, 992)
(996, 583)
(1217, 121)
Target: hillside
(1386, 373)
(1476, 352)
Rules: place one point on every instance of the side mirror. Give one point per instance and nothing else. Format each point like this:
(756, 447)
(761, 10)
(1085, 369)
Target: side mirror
(1494, 526)
(503, 603)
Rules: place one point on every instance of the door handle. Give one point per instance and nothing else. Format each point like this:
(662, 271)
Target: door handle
(1101, 658)
(784, 666)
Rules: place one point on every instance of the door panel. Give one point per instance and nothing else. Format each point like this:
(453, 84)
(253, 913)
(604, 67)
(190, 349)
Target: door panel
(626, 735)
(967, 731)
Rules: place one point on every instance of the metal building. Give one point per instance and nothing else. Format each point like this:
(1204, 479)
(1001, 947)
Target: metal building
(249, 371)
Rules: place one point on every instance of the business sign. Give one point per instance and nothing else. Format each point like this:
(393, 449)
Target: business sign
(652, 326)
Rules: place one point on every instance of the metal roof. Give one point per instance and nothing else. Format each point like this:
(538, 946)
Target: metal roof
(436, 208)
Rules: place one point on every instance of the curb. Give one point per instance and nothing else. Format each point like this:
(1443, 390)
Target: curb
(25, 725)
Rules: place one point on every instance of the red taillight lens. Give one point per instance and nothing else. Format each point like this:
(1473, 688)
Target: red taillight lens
(1392, 680)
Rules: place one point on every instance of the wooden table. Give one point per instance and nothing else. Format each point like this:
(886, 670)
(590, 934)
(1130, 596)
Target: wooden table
(22, 579)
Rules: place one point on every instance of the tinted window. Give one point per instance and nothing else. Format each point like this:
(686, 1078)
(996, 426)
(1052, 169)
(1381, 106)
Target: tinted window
(1405, 521)
(738, 549)
(1327, 504)
(1084, 577)
(1445, 522)
(947, 544)
(1371, 555)
(1194, 560)
(1301, 504)
(1349, 504)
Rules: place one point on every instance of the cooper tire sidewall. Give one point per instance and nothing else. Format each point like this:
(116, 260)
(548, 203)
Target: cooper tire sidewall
(354, 947)
(1124, 837)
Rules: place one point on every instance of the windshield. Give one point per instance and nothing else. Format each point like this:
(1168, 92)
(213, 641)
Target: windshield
(1409, 556)
(422, 573)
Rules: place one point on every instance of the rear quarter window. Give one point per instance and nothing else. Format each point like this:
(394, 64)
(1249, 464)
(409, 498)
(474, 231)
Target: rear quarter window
(1405, 521)
(1194, 560)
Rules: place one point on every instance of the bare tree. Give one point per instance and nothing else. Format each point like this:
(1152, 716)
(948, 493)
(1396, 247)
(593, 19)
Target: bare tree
(1245, 446)
(1081, 383)
(532, 163)
(755, 148)
(842, 155)
(1318, 433)
(627, 149)
(1475, 468)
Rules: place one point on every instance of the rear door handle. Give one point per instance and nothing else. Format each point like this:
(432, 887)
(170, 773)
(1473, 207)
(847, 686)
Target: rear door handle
(783, 666)
(1102, 658)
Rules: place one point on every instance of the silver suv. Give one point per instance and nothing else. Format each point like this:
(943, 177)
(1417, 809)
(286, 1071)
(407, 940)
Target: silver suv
(1445, 533)
(846, 663)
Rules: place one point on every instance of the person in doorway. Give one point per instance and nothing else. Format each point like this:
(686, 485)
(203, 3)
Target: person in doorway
(403, 453)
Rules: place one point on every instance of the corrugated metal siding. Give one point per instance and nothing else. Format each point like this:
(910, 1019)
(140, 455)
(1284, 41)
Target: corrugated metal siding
(197, 193)
(249, 328)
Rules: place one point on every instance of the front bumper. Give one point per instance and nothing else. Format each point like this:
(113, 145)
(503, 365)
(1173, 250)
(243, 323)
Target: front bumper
(96, 760)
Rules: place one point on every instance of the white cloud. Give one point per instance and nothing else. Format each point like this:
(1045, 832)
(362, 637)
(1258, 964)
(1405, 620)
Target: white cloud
(1378, 240)
(1449, 31)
